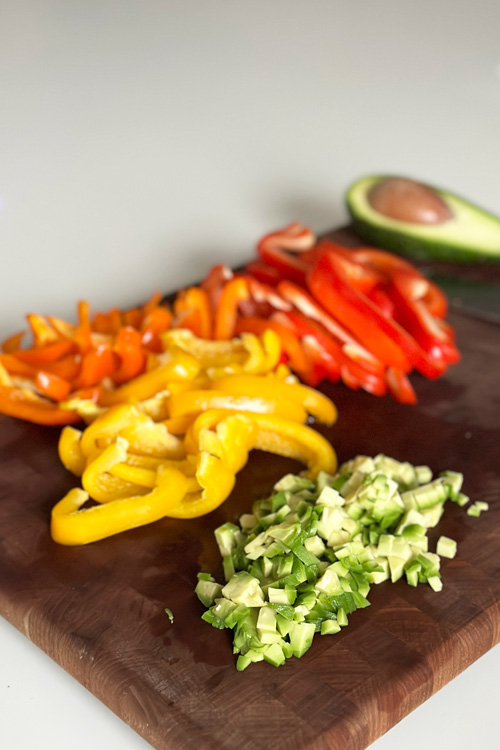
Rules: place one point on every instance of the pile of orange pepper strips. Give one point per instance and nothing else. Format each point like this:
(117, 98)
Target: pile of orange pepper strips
(175, 396)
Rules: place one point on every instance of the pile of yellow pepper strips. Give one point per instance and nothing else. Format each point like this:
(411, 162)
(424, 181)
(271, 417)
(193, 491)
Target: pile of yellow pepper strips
(169, 442)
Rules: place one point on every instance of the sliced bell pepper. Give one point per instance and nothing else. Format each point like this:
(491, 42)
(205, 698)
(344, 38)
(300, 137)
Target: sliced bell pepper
(214, 282)
(70, 450)
(99, 481)
(194, 402)
(427, 329)
(289, 341)
(282, 250)
(216, 480)
(317, 404)
(329, 282)
(24, 403)
(314, 310)
(233, 293)
(131, 358)
(52, 386)
(71, 524)
(179, 366)
(400, 386)
(41, 356)
(144, 436)
(192, 310)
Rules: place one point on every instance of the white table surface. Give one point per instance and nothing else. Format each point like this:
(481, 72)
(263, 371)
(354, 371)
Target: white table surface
(143, 140)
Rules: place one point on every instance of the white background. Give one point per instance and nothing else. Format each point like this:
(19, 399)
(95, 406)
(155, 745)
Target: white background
(141, 141)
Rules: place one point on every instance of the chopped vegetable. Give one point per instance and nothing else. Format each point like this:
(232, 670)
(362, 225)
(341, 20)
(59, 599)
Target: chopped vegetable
(305, 558)
(365, 317)
(171, 441)
(84, 361)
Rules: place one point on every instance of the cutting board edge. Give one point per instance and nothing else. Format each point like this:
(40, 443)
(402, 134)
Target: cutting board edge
(482, 630)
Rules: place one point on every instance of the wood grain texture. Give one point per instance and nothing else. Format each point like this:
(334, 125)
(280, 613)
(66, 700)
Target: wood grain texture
(99, 610)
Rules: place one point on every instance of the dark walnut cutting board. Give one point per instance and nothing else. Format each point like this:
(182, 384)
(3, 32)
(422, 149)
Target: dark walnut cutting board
(99, 610)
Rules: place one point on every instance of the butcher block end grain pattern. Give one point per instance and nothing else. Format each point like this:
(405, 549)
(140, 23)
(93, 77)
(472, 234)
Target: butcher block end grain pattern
(99, 610)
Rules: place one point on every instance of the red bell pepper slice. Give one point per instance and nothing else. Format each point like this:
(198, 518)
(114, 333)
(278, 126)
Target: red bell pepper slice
(263, 272)
(329, 281)
(400, 387)
(390, 265)
(336, 362)
(282, 250)
(411, 312)
(310, 308)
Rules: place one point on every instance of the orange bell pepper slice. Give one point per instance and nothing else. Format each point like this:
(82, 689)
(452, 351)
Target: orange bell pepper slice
(25, 404)
(233, 293)
(192, 310)
(52, 386)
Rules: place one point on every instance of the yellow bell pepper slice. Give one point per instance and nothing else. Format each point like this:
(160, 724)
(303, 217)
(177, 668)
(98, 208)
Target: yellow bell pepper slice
(264, 352)
(194, 402)
(217, 482)
(99, 481)
(144, 436)
(71, 524)
(180, 365)
(70, 450)
(272, 434)
(208, 353)
(285, 438)
(316, 403)
(231, 440)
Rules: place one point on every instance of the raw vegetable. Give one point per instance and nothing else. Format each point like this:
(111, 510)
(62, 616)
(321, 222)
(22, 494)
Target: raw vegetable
(364, 317)
(422, 221)
(171, 441)
(66, 362)
(305, 558)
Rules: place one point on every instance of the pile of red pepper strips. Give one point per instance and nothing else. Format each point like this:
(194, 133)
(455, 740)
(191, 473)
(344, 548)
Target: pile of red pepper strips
(362, 316)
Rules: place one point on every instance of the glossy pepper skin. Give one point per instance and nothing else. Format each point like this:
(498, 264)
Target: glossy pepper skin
(225, 398)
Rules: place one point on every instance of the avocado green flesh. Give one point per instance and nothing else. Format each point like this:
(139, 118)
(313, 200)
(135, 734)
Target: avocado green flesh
(472, 234)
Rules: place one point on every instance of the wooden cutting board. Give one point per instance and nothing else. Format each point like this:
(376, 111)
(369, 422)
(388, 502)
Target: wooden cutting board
(99, 610)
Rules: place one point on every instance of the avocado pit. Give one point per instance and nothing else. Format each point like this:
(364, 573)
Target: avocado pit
(405, 200)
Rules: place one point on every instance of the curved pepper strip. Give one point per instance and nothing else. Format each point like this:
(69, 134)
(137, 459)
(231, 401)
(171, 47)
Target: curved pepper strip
(282, 250)
(180, 366)
(216, 480)
(290, 343)
(70, 450)
(24, 403)
(73, 525)
(329, 281)
(316, 404)
(285, 438)
(194, 402)
(143, 435)
(192, 310)
(311, 309)
(99, 481)
(277, 435)
(264, 352)
(233, 293)
(207, 353)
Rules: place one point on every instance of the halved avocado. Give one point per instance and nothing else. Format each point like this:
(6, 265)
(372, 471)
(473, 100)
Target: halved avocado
(447, 228)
